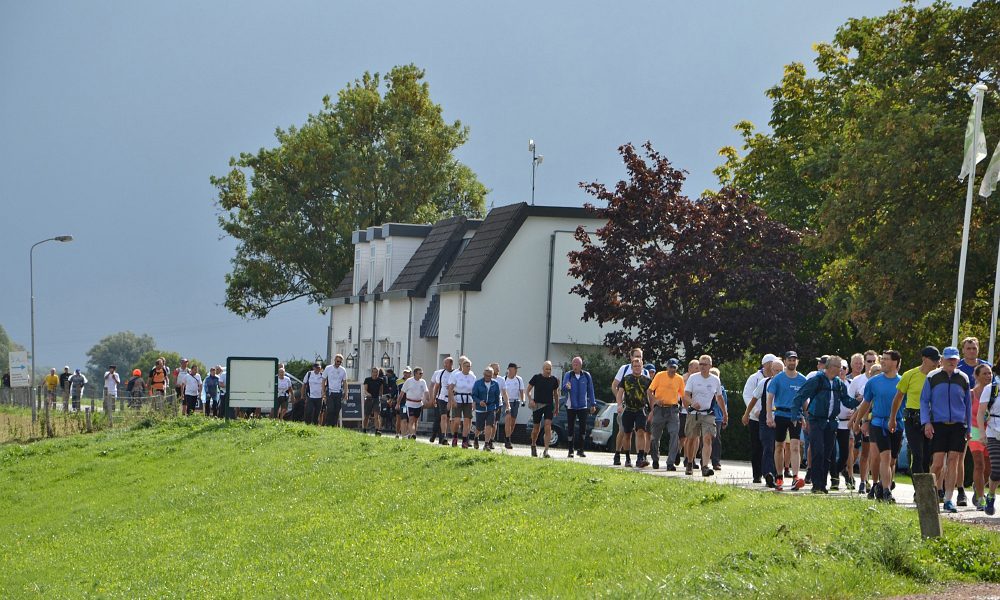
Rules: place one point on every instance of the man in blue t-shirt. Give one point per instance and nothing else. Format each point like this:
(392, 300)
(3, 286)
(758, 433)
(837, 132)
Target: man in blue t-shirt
(880, 391)
(785, 418)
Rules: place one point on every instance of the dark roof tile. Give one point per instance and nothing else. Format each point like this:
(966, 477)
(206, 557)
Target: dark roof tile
(434, 252)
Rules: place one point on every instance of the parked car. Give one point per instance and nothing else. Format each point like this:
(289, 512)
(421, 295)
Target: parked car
(605, 428)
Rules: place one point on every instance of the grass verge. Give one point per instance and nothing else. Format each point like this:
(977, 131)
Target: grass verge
(193, 507)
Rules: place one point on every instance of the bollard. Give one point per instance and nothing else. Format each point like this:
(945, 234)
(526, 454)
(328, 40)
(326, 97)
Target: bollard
(90, 428)
(925, 496)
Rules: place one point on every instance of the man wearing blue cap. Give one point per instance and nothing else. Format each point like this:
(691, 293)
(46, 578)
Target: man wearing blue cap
(945, 414)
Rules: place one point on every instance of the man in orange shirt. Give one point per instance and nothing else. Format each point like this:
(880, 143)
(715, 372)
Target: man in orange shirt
(664, 411)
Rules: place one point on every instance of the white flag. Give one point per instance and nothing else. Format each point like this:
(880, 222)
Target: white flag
(975, 126)
(992, 175)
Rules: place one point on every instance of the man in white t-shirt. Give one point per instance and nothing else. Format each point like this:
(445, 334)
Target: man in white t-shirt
(460, 401)
(439, 391)
(284, 391)
(856, 390)
(334, 380)
(191, 389)
(111, 382)
(314, 393)
(701, 391)
(751, 418)
(513, 400)
(416, 392)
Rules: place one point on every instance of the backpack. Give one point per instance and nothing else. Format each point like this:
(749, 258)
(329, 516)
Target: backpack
(994, 392)
(131, 384)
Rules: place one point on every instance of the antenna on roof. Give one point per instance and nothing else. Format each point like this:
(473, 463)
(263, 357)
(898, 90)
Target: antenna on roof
(490, 209)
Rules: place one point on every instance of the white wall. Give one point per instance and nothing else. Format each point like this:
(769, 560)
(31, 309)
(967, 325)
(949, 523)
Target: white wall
(506, 321)
(403, 249)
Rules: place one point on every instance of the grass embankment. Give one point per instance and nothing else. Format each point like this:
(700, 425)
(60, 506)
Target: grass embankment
(16, 425)
(259, 509)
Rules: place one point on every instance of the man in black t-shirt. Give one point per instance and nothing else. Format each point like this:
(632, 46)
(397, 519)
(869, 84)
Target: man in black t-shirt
(374, 388)
(543, 397)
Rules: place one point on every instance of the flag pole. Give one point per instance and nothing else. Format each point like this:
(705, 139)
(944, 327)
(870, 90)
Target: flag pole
(996, 301)
(978, 108)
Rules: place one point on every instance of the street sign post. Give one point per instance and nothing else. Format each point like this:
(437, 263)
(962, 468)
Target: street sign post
(20, 370)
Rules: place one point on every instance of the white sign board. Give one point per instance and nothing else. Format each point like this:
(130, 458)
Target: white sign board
(20, 370)
(251, 382)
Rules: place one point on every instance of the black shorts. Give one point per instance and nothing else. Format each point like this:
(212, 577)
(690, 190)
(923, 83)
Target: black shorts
(442, 406)
(191, 402)
(948, 437)
(784, 426)
(884, 440)
(542, 412)
(412, 412)
(682, 422)
(282, 401)
(485, 419)
(633, 420)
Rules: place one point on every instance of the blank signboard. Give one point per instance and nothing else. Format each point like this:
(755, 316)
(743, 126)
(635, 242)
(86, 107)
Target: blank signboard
(251, 382)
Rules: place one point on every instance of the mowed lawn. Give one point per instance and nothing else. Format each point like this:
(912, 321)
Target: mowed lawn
(206, 509)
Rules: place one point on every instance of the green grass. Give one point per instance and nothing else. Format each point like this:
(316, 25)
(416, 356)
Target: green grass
(208, 509)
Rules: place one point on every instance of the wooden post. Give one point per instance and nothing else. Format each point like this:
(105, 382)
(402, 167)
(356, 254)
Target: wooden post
(90, 428)
(925, 496)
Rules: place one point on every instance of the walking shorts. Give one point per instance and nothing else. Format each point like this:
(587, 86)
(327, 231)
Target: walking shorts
(886, 441)
(543, 412)
(633, 420)
(484, 419)
(948, 437)
(463, 411)
(784, 426)
(699, 425)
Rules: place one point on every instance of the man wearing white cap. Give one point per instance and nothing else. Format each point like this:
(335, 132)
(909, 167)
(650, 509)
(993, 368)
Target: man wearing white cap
(756, 448)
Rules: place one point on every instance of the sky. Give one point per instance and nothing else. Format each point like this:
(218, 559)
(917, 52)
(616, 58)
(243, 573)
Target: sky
(114, 114)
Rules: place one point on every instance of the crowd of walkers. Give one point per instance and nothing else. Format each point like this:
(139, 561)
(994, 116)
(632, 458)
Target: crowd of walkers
(847, 417)
(853, 414)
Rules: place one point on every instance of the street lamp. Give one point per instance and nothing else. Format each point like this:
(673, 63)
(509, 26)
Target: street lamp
(536, 159)
(386, 360)
(31, 276)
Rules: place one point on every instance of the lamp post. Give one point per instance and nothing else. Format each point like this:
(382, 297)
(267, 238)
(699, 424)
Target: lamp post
(386, 360)
(31, 277)
(536, 159)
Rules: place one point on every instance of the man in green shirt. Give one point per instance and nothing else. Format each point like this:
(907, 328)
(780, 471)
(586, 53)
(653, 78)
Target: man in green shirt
(910, 387)
(632, 396)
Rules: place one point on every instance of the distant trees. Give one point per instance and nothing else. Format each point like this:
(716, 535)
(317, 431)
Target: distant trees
(681, 277)
(121, 349)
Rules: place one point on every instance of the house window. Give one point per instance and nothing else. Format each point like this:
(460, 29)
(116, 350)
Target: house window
(371, 271)
(357, 271)
(388, 265)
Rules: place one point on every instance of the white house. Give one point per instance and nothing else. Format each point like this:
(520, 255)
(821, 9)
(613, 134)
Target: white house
(494, 290)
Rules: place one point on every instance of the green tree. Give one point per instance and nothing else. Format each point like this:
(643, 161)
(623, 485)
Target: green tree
(172, 359)
(381, 152)
(120, 349)
(6, 347)
(866, 155)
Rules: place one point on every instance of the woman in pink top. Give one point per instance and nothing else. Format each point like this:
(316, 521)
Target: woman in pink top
(977, 444)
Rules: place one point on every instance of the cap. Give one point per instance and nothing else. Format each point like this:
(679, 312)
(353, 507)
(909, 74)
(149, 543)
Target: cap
(931, 352)
(767, 358)
(823, 359)
(66, 367)
(316, 364)
(649, 367)
(950, 352)
(136, 372)
(791, 354)
(78, 370)
(407, 369)
(512, 366)
(184, 360)
(673, 362)
(112, 367)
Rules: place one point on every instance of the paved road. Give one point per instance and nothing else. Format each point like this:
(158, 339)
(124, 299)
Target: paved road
(733, 473)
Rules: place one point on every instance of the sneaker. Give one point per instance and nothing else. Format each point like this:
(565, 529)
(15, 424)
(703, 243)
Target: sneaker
(431, 440)
(863, 487)
(887, 497)
(990, 508)
(378, 433)
(618, 459)
(628, 462)
(808, 480)
(671, 467)
(817, 490)
(717, 466)
(570, 455)
(534, 451)
(756, 479)
(788, 474)
(769, 480)
(874, 490)
(706, 472)
(454, 441)
(962, 499)
(949, 507)
(490, 445)
(581, 454)
(688, 470)
(798, 483)
(413, 437)
(835, 484)
(779, 484)
(656, 464)
(941, 496)
(508, 445)
(642, 464)
(677, 460)
(465, 444)
(444, 441)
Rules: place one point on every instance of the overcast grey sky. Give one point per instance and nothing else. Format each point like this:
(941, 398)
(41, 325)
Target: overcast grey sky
(114, 114)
